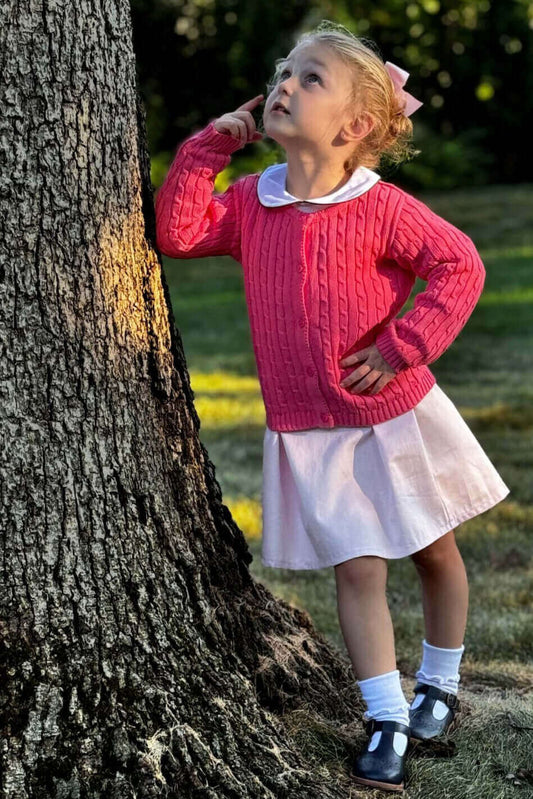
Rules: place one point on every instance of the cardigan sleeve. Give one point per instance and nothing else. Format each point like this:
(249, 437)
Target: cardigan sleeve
(447, 259)
(191, 220)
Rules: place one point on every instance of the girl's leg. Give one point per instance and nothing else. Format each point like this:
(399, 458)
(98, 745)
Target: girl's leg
(368, 633)
(445, 596)
(364, 615)
(444, 581)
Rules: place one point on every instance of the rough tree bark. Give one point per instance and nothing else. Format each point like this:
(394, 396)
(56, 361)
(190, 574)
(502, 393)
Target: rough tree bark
(138, 657)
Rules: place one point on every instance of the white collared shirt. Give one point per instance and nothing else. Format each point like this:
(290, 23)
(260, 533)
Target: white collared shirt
(271, 189)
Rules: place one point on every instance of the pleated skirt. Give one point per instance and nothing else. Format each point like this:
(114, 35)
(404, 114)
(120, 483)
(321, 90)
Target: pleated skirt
(389, 489)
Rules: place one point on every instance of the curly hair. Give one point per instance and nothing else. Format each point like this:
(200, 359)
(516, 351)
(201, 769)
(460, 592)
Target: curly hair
(373, 91)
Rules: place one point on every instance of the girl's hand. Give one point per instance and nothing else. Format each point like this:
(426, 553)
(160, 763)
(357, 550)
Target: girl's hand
(240, 123)
(375, 369)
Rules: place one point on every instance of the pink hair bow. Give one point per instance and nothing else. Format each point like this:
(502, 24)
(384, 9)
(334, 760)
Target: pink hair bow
(399, 78)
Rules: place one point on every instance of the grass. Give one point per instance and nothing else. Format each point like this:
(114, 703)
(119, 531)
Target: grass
(487, 372)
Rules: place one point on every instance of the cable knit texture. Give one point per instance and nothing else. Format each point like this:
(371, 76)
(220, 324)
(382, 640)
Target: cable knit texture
(324, 284)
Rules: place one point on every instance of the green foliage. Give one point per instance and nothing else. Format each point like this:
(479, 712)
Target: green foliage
(470, 62)
(445, 162)
(159, 164)
(252, 160)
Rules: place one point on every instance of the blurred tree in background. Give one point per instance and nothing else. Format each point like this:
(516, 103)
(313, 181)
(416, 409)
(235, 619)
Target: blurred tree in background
(471, 62)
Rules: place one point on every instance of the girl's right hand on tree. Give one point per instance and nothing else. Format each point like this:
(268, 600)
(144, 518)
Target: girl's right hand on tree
(240, 123)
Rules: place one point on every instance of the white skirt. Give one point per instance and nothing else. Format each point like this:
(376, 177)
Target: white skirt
(389, 489)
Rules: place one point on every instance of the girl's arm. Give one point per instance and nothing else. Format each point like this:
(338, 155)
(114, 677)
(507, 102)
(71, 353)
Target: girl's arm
(446, 257)
(192, 221)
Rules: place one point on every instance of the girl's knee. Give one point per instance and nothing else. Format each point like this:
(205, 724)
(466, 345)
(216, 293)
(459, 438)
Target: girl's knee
(441, 551)
(365, 571)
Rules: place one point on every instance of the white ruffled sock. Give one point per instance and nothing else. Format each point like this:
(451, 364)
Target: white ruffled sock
(385, 699)
(439, 667)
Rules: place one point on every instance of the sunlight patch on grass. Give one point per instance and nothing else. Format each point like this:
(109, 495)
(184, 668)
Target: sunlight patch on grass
(247, 514)
(224, 412)
(223, 382)
(225, 400)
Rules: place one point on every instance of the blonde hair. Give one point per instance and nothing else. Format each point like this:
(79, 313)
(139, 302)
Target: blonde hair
(372, 91)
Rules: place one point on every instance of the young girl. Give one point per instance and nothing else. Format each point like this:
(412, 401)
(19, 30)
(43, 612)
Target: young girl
(365, 457)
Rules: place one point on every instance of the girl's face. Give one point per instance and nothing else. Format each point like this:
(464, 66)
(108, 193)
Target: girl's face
(314, 87)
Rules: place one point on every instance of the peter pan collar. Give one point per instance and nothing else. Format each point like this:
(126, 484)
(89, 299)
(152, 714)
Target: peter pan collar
(271, 187)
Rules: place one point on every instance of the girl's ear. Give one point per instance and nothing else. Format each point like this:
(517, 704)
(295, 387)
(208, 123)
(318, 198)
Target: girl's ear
(358, 128)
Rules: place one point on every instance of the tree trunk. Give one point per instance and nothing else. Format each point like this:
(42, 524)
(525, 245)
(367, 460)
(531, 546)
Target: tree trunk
(138, 657)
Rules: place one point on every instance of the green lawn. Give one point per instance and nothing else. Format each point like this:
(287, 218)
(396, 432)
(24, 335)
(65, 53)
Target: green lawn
(488, 374)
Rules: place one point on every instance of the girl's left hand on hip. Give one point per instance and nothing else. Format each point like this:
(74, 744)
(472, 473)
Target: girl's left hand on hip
(373, 369)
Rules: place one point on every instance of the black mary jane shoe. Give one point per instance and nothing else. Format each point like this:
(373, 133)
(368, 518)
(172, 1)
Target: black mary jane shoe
(383, 767)
(424, 726)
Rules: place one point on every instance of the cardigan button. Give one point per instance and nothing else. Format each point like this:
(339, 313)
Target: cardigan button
(301, 268)
(325, 417)
(310, 371)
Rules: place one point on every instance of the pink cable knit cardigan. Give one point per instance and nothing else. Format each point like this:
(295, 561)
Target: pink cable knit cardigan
(320, 285)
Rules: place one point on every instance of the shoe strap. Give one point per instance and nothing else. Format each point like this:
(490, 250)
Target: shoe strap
(373, 725)
(437, 693)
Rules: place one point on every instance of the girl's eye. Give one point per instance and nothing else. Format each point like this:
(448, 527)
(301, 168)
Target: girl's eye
(311, 74)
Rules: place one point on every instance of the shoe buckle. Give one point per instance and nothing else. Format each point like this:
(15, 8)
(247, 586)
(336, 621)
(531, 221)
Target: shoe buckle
(451, 699)
(445, 696)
